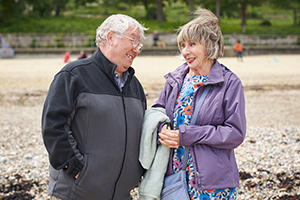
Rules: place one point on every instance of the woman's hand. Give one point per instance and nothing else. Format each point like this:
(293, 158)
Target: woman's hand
(168, 137)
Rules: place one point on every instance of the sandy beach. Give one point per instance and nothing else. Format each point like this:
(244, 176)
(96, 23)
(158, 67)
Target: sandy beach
(269, 158)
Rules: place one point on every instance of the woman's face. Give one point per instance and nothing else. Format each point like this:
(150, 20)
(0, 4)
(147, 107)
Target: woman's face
(194, 53)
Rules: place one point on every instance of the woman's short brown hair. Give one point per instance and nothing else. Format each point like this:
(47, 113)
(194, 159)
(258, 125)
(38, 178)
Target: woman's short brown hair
(204, 29)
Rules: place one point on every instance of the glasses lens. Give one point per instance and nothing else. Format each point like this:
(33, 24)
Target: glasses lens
(134, 45)
(141, 46)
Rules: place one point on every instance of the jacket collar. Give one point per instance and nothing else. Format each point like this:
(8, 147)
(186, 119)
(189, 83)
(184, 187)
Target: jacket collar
(215, 76)
(107, 66)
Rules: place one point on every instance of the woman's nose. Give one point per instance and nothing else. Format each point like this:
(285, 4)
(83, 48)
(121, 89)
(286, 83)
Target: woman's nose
(185, 51)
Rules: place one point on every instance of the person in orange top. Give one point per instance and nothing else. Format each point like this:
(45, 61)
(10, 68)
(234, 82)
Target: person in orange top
(239, 50)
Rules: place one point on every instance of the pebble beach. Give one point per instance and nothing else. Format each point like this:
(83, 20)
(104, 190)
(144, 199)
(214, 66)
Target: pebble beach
(268, 159)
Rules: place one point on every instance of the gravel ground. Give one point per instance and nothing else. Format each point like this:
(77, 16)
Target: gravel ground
(268, 159)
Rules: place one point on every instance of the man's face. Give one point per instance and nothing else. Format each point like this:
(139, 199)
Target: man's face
(122, 51)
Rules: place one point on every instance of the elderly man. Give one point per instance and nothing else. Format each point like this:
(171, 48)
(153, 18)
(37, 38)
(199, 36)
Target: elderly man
(92, 118)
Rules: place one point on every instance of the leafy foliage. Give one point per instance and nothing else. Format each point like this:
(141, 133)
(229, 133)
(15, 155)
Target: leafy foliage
(74, 16)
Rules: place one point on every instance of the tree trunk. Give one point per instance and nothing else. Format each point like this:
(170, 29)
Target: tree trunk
(57, 11)
(295, 17)
(218, 9)
(244, 18)
(191, 10)
(160, 12)
(57, 8)
(145, 3)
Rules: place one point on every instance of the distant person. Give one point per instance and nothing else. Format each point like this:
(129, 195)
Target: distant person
(155, 38)
(82, 55)
(92, 118)
(0, 40)
(67, 56)
(220, 125)
(157, 41)
(239, 50)
(5, 49)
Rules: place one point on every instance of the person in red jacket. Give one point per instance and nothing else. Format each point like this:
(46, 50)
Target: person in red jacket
(239, 50)
(67, 57)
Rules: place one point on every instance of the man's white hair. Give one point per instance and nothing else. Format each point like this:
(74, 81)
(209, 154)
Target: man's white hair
(118, 24)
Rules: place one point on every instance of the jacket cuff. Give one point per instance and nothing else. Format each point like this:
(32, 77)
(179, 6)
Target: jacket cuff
(161, 125)
(182, 131)
(73, 167)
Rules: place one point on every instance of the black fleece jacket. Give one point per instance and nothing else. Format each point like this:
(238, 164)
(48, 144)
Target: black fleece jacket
(90, 126)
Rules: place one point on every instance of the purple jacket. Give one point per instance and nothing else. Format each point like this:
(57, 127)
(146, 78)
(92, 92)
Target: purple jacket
(220, 126)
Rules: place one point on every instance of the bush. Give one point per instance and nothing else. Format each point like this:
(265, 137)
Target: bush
(91, 42)
(265, 23)
(34, 43)
(58, 41)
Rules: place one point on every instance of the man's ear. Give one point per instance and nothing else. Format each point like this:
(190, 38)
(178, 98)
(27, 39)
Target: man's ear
(109, 37)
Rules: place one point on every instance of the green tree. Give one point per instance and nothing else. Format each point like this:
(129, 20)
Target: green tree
(9, 9)
(59, 6)
(191, 5)
(41, 8)
(243, 4)
(293, 5)
(229, 7)
(6, 10)
(83, 2)
(149, 5)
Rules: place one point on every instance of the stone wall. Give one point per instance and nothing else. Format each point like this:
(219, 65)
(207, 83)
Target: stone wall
(85, 40)
(262, 40)
(48, 40)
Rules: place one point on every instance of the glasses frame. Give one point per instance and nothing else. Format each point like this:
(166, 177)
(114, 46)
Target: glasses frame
(134, 45)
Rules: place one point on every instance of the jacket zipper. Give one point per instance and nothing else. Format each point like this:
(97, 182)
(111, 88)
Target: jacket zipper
(197, 174)
(121, 169)
(197, 177)
(173, 103)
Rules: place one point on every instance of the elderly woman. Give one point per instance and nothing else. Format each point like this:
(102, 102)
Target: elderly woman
(220, 126)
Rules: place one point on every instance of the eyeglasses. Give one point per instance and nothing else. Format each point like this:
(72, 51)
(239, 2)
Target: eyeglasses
(134, 45)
